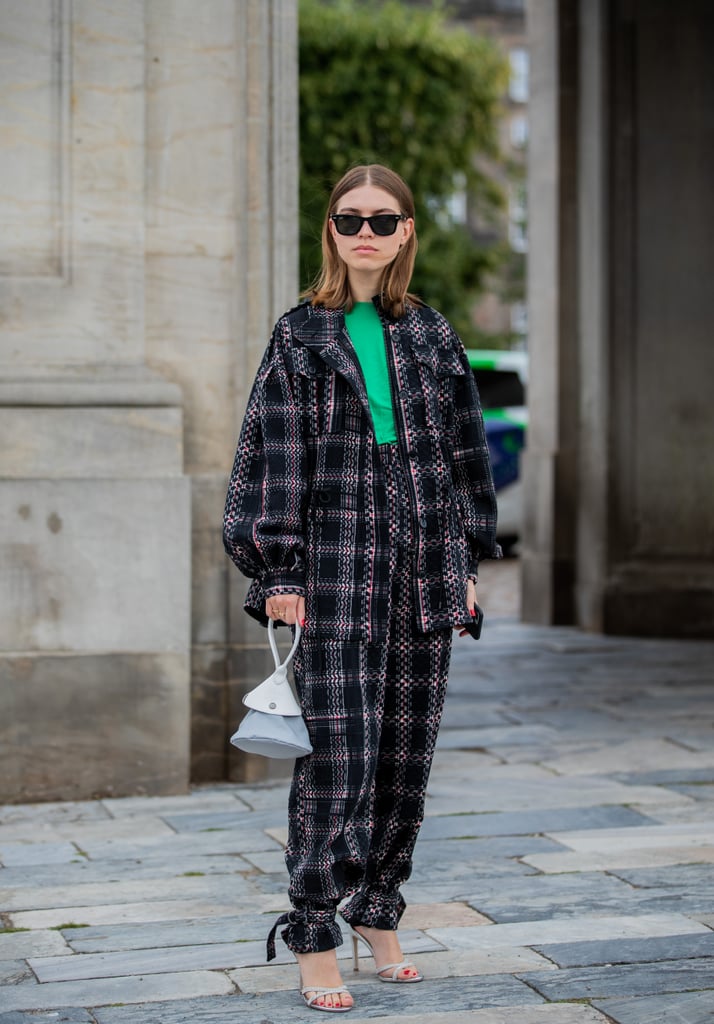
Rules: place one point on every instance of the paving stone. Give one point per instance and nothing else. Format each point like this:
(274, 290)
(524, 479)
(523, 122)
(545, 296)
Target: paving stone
(52, 813)
(85, 871)
(630, 951)
(377, 1001)
(441, 915)
(158, 910)
(681, 878)
(223, 841)
(546, 820)
(214, 956)
(494, 848)
(37, 853)
(561, 930)
(545, 896)
(628, 979)
(454, 858)
(73, 1015)
(269, 862)
(187, 932)
(492, 738)
(12, 972)
(515, 794)
(667, 776)
(111, 830)
(680, 1008)
(18, 945)
(199, 802)
(629, 756)
(552, 863)
(94, 894)
(108, 991)
(649, 836)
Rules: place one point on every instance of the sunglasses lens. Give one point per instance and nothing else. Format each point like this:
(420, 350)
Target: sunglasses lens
(347, 224)
(384, 223)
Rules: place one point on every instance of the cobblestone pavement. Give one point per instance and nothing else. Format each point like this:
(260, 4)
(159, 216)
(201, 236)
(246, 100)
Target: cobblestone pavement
(563, 874)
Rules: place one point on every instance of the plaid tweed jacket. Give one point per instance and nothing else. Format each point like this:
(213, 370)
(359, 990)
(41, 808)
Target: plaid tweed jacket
(305, 506)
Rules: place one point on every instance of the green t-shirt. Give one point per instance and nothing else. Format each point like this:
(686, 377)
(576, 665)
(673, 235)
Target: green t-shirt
(367, 337)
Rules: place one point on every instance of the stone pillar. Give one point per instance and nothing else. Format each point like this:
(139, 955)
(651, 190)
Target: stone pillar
(619, 470)
(94, 507)
(221, 266)
(149, 239)
(550, 460)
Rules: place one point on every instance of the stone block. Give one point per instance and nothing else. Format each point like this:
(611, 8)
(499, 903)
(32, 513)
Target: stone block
(576, 929)
(76, 442)
(682, 1007)
(110, 991)
(629, 951)
(127, 732)
(94, 565)
(624, 980)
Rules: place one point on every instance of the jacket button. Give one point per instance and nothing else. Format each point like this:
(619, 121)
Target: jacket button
(422, 522)
(324, 497)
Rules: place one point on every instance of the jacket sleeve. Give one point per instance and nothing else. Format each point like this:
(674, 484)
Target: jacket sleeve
(263, 523)
(471, 468)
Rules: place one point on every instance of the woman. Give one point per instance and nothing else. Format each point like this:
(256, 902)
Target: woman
(360, 503)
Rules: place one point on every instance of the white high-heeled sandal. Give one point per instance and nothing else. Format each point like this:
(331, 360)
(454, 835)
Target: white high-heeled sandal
(396, 969)
(319, 993)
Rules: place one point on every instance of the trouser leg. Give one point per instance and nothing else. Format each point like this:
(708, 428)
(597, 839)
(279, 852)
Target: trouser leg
(331, 799)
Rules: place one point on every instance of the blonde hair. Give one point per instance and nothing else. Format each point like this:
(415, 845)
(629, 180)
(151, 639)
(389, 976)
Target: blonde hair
(331, 286)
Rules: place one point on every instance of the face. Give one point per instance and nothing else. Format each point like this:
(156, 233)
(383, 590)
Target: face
(366, 252)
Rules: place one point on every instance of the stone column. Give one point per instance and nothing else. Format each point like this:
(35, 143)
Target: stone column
(94, 507)
(550, 460)
(222, 231)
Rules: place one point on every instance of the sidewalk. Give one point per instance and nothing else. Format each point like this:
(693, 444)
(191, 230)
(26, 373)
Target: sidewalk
(563, 874)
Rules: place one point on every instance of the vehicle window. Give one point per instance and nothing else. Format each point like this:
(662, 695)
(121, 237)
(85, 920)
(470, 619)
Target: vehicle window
(499, 388)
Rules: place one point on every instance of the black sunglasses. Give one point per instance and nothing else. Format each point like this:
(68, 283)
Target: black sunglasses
(380, 223)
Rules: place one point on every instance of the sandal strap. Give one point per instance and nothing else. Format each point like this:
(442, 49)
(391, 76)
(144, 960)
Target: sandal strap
(319, 992)
(395, 968)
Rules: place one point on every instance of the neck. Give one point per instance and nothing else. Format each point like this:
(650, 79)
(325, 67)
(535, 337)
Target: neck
(363, 286)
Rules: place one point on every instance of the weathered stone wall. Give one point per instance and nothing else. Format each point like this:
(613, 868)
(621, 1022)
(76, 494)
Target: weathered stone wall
(147, 241)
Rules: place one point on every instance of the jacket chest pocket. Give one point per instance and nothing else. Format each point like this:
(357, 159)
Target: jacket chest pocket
(313, 386)
(435, 372)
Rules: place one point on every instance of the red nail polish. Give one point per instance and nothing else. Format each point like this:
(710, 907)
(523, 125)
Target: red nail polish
(473, 611)
(302, 622)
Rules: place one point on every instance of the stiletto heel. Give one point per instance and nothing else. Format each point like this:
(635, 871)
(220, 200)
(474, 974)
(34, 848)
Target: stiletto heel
(355, 951)
(395, 969)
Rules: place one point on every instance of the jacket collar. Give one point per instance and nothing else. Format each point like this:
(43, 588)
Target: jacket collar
(323, 332)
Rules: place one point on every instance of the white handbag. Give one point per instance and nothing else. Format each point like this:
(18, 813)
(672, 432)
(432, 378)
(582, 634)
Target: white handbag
(274, 726)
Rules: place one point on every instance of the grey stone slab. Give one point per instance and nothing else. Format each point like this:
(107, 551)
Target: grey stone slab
(624, 980)
(109, 991)
(551, 819)
(52, 812)
(73, 1015)
(85, 871)
(245, 839)
(437, 829)
(208, 956)
(227, 887)
(494, 737)
(667, 776)
(450, 859)
(148, 935)
(375, 1001)
(18, 945)
(12, 972)
(630, 951)
(37, 853)
(564, 930)
(462, 713)
(690, 879)
(679, 1008)
(544, 896)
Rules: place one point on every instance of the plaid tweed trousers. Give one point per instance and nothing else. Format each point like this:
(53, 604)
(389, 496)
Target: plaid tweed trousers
(373, 712)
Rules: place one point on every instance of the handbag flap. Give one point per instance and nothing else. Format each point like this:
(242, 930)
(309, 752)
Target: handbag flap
(274, 695)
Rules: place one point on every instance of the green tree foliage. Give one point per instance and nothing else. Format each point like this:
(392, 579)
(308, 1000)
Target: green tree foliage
(383, 82)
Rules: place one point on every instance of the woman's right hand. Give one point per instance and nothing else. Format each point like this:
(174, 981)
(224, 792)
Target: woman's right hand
(287, 608)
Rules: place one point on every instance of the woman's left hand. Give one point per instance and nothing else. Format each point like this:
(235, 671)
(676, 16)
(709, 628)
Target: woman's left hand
(470, 602)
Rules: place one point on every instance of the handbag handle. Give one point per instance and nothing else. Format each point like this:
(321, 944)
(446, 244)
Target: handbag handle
(274, 646)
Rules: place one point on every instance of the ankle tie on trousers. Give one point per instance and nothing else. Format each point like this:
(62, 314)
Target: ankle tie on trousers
(317, 931)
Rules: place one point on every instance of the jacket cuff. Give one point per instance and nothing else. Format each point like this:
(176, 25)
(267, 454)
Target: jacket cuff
(283, 583)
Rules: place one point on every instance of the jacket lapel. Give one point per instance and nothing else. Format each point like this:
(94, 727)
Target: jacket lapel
(324, 333)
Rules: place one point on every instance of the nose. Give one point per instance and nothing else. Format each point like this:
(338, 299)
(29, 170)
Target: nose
(365, 230)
